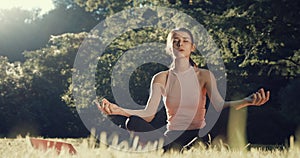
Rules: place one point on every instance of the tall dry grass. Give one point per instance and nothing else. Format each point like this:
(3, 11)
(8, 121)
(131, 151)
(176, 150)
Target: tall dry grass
(88, 147)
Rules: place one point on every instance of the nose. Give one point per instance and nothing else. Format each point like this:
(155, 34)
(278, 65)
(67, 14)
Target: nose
(179, 43)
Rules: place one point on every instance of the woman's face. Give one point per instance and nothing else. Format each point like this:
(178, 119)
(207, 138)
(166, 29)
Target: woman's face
(182, 44)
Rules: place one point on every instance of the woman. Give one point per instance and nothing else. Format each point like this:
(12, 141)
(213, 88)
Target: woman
(184, 88)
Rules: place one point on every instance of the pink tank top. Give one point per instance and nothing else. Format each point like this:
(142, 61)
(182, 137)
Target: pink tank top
(184, 101)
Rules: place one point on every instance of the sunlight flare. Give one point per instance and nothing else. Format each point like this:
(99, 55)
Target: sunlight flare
(44, 5)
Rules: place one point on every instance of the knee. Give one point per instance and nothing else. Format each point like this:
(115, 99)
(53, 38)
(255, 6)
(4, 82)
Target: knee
(132, 122)
(118, 120)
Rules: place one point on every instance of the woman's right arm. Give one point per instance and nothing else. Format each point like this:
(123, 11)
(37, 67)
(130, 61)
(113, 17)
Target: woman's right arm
(148, 112)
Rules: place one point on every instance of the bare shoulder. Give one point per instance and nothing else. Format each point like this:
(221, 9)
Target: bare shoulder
(160, 77)
(202, 72)
(204, 75)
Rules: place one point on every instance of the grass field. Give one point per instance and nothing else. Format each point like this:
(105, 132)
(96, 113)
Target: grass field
(86, 147)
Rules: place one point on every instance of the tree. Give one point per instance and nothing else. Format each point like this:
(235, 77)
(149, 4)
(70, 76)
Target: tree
(257, 40)
(31, 91)
(24, 30)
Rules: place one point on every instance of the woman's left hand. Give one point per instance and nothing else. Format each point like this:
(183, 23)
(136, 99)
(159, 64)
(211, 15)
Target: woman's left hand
(256, 99)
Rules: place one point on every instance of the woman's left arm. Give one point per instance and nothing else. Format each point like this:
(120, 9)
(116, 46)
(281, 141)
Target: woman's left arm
(256, 99)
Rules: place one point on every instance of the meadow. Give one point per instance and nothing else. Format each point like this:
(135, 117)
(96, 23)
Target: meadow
(88, 147)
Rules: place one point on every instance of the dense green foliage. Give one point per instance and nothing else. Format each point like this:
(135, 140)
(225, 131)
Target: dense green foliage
(29, 30)
(31, 91)
(258, 42)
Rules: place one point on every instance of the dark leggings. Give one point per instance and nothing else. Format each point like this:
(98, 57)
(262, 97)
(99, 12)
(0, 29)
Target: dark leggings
(174, 140)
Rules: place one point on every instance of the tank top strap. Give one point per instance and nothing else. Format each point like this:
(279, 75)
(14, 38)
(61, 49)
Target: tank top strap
(167, 83)
(196, 69)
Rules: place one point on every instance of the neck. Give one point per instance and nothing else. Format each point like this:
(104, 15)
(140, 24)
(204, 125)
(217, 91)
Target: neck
(181, 64)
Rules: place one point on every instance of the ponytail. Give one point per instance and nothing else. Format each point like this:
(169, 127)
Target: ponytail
(192, 62)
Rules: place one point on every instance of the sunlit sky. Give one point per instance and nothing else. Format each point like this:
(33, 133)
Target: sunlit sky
(45, 5)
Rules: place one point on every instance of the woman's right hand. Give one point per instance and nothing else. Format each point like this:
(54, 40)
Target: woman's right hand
(109, 108)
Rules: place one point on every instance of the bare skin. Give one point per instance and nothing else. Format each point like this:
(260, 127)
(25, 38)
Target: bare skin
(182, 48)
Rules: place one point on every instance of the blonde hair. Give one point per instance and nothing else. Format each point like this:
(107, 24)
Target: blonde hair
(169, 44)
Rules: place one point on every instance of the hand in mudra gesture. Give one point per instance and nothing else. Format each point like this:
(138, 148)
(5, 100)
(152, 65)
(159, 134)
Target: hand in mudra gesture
(108, 108)
(256, 99)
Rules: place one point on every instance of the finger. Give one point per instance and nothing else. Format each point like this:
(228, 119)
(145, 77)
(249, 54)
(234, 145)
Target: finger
(102, 110)
(263, 94)
(267, 96)
(251, 97)
(105, 104)
(259, 98)
(96, 102)
(104, 107)
(98, 105)
(104, 101)
(107, 108)
(254, 98)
